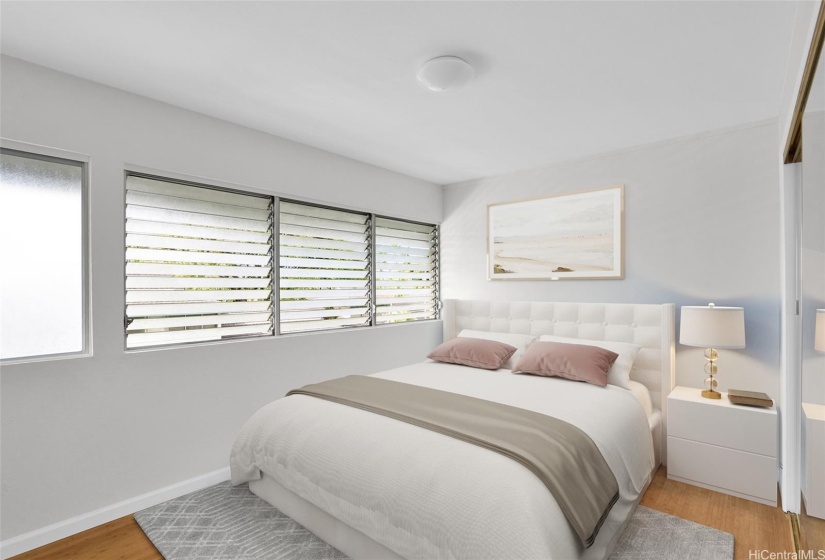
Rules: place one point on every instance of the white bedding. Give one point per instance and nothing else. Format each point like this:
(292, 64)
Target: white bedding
(426, 495)
(642, 395)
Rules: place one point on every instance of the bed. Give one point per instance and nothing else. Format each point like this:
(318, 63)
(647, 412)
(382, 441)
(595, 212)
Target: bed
(374, 487)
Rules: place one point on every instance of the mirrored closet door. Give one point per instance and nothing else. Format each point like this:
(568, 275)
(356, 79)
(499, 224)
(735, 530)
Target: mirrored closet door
(811, 259)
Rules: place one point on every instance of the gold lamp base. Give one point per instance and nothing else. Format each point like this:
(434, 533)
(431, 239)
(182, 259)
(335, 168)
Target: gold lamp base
(711, 368)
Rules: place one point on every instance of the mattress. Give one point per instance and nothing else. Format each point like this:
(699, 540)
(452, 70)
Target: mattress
(421, 494)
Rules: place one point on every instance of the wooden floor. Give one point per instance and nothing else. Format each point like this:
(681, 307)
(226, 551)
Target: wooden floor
(121, 539)
(754, 526)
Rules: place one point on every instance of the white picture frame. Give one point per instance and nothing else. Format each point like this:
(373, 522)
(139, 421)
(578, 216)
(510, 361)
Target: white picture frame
(569, 236)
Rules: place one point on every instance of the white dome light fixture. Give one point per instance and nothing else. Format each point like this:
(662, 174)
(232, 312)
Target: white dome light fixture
(445, 73)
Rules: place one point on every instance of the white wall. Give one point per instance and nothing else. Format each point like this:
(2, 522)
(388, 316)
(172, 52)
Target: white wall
(812, 253)
(702, 225)
(80, 434)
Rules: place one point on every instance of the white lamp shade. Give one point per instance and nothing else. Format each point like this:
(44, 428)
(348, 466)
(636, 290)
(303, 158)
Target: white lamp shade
(819, 336)
(712, 327)
(445, 73)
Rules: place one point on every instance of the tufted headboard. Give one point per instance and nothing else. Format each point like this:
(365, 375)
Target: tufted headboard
(651, 326)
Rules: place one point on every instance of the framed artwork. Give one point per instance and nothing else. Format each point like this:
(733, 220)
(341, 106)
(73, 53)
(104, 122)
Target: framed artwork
(567, 236)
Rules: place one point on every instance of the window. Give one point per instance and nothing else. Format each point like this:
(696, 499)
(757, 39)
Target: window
(43, 247)
(324, 268)
(201, 262)
(198, 263)
(406, 271)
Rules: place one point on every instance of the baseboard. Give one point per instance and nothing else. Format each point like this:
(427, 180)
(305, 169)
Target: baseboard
(40, 537)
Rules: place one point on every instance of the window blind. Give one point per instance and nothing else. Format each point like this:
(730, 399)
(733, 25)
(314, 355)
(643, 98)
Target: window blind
(324, 268)
(198, 263)
(406, 271)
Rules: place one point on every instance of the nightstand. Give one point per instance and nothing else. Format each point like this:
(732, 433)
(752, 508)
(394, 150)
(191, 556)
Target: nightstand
(722, 446)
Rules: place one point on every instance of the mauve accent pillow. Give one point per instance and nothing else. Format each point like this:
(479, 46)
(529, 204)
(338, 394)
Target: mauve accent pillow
(577, 362)
(473, 352)
(520, 341)
(619, 374)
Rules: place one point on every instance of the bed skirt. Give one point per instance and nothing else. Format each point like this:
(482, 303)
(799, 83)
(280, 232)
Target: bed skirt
(357, 545)
(338, 534)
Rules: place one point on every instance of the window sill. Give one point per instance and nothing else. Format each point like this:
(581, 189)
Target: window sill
(46, 358)
(272, 337)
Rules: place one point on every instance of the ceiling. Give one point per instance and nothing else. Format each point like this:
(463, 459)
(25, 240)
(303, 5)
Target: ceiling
(554, 80)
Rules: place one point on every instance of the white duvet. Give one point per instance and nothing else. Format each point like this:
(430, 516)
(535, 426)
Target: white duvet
(426, 495)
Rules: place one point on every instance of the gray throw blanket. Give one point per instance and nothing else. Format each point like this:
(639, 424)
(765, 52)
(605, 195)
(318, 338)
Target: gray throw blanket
(563, 457)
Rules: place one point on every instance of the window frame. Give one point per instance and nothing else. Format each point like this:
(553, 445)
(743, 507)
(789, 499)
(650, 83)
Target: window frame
(436, 270)
(167, 176)
(373, 293)
(53, 155)
(277, 241)
(216, 186)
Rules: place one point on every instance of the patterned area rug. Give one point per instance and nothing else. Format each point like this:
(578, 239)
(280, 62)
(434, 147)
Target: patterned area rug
(653, 535)
(231, 523)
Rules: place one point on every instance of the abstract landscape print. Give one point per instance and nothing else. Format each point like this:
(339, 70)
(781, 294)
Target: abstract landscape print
(567, 236)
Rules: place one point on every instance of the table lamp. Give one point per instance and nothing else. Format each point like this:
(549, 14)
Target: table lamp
(712, 327)
(819, 331)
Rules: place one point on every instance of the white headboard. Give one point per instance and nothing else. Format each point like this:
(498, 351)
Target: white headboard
(650, 326)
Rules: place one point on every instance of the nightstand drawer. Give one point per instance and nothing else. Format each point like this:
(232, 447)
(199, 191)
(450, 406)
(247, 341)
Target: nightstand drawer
(722, 469)
(723, 424)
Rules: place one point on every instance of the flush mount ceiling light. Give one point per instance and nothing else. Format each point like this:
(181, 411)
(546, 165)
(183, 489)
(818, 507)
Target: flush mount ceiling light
(445, 73)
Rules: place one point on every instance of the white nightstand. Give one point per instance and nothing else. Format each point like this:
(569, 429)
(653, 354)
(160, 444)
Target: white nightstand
(722, 446)
(814, 490)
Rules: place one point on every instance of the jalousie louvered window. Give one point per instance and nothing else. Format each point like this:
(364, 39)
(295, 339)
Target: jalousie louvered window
(324, 268)
(406, 271)
(198, 263)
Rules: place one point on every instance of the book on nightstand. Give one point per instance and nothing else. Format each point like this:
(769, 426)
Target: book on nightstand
(749, 398)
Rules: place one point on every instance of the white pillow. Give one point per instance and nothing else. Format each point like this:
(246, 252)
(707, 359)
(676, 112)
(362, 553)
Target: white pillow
(619, 373)
(520, 341)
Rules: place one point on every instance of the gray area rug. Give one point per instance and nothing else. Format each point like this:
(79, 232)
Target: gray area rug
(231, 523)
(651, 534)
